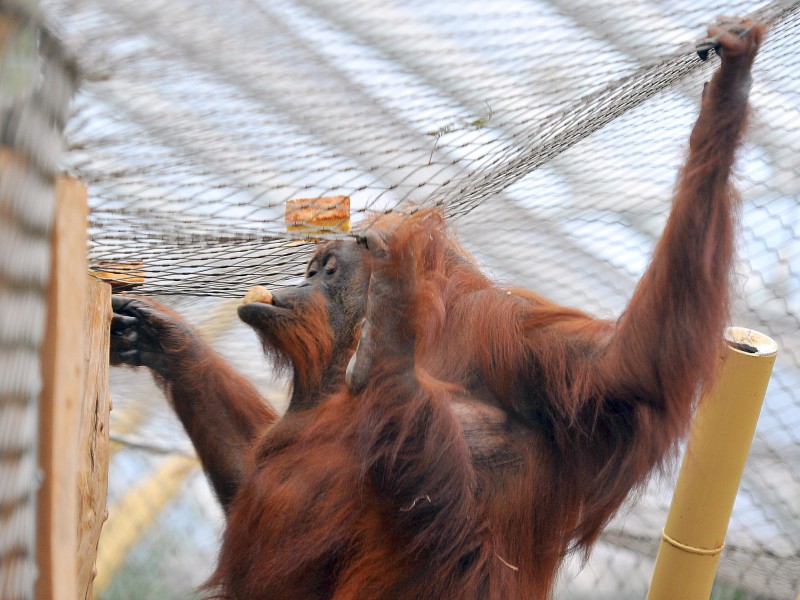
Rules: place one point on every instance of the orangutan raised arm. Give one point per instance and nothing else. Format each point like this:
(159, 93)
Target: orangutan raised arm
(611, 399)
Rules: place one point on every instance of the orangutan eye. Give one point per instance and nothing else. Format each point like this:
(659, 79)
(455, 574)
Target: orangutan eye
(330, 265)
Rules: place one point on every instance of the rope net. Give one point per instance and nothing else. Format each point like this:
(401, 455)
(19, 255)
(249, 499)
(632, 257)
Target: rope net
(550, 132)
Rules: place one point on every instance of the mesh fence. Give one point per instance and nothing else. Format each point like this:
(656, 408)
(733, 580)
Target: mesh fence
(550, 132)
(36, 83)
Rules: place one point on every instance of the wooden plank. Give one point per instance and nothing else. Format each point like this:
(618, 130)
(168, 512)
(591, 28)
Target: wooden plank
(93, 435)
(62, 373)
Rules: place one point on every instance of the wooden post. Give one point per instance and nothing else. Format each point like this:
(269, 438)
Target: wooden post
(62, 374)
(93, 431)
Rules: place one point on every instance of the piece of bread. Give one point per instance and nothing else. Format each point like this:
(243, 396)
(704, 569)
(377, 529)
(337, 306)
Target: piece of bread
(324, 214)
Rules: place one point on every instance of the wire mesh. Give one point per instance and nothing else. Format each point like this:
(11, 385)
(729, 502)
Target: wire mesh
(550, 132)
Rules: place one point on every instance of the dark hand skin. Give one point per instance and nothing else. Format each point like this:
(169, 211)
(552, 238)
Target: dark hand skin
(143, 335)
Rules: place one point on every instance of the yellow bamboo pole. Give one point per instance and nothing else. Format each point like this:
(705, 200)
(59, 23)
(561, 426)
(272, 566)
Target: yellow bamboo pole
(135, 513)
(712, 467)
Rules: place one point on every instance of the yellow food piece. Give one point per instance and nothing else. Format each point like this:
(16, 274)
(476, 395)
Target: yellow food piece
(258, 293)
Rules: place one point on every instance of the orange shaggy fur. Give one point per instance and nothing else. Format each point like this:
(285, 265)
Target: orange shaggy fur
(485, 433)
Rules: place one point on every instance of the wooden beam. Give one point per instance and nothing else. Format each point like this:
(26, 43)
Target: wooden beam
(62, 374)
(93, 435)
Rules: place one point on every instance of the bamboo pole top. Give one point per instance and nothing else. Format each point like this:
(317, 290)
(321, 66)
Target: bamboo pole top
(749, 341)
